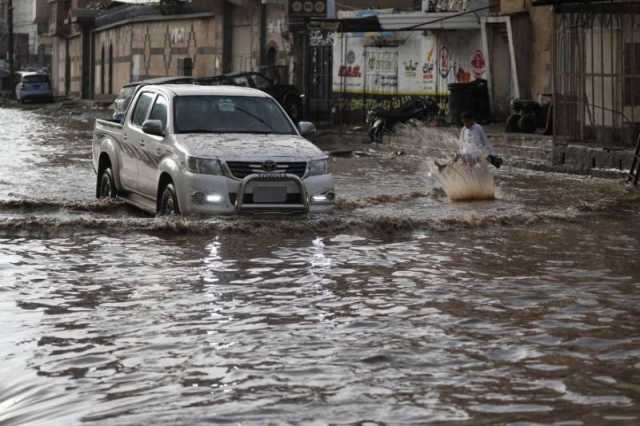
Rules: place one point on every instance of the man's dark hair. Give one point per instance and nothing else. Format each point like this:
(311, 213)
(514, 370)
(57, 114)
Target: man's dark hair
(467, 115)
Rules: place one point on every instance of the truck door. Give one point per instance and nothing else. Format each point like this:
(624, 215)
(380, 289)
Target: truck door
(133, 150)
(155, 148)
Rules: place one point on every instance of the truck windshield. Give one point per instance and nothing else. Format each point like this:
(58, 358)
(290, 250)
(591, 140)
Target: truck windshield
(229, 114)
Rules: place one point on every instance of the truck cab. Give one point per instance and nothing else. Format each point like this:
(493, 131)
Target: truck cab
(189, 149)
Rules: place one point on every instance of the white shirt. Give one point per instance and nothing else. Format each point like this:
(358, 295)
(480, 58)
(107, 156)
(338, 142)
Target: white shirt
(474, 142)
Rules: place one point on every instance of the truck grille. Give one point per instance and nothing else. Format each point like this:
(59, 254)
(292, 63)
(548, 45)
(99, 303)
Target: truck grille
(242, 169)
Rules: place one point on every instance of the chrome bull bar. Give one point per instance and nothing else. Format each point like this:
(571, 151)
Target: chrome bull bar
(274, 177)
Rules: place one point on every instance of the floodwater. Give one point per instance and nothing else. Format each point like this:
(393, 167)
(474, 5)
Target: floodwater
(399, 308)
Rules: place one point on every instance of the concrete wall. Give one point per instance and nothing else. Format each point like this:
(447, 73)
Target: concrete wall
(23, 14)
(540, 59)
(276, 33)
(153, 49)
(539, 152)
(75, 57)
(245, 38)
(57, 68)
(533, 38)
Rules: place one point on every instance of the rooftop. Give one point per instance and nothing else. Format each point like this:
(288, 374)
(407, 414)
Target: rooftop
(198, 90)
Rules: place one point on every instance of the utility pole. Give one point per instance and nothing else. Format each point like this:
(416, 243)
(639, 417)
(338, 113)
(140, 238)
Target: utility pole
(10, 44)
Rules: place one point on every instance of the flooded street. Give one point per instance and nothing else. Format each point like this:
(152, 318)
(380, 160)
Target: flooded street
(398, 308)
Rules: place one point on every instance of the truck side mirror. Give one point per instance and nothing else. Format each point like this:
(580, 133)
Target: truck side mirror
(307, 129)
(153, 127)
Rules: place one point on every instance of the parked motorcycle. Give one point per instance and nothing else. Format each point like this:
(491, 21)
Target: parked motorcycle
(381, 121)
(526, 116)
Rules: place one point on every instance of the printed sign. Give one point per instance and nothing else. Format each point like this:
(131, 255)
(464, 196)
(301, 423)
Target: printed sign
(423, 64)
(381, 70)
(478, 63)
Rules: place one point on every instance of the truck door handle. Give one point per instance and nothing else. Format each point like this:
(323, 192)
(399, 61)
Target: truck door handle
(141, 142)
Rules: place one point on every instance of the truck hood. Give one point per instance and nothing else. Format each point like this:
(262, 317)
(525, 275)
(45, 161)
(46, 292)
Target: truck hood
(247, 147)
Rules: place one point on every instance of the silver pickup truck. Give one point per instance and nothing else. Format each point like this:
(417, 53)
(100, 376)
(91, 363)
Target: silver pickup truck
(188, 149)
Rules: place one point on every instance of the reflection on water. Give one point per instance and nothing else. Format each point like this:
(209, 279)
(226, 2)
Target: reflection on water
(398, 308)
(480, 326)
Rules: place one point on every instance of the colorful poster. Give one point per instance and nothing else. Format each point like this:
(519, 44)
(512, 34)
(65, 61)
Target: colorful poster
(421, 64)
(348, 64)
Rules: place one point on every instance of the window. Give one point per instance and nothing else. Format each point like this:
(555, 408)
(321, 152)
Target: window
(110, 69)
(229, 114)
(142, 107)
(159, 111)
(185, 67)
(632, 74)
(35, 79)
(102, 65)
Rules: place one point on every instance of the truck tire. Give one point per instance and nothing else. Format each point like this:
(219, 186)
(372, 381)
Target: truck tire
(168, 204)
(106, 185)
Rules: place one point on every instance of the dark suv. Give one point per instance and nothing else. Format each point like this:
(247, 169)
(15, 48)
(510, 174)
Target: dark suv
(288, 95)
(121, 103)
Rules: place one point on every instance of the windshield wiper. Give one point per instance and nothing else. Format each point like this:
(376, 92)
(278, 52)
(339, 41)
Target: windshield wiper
(198, 131)
(255, 117)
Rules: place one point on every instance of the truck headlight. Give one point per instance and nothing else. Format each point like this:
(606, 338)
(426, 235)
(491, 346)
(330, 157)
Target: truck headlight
(318, 167)
(204, 166)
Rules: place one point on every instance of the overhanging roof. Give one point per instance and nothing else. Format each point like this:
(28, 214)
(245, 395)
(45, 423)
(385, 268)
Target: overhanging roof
(429, 21)
(414, 21)
(564, 2)
(368, 24)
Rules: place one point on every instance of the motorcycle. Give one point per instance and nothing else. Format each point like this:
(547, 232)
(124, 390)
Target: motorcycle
(381, 121)
(526, 116)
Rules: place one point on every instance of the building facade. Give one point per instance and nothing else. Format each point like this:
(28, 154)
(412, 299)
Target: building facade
(596, 72)
(29, 50)
(506, 44)
(100, 46)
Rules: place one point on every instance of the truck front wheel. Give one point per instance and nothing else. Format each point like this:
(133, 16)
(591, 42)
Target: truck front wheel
(168, 205)
(106, 185)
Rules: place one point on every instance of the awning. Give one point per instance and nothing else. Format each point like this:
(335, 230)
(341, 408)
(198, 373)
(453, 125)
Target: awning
(415, 21)
(368, 24)
(563, 2)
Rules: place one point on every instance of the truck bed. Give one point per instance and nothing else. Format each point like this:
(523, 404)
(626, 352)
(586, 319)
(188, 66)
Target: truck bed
(108, 124)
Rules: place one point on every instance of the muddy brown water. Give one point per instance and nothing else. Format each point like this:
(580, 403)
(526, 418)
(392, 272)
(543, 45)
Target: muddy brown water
(398, 308)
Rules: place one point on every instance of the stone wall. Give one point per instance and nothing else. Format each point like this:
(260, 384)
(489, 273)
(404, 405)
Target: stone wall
(155, 48)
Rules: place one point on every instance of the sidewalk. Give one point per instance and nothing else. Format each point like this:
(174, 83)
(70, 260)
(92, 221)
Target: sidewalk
(534, 151)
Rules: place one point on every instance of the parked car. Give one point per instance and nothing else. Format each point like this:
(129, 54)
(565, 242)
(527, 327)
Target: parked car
(190, 149)
(33, 86)
(121, 103)
(288, 95)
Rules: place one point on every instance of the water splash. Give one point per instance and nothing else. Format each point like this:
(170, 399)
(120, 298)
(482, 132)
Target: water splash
(461, 181)
(466, 182)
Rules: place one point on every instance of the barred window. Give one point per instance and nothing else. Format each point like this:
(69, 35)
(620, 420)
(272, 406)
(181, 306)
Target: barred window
(632, 74)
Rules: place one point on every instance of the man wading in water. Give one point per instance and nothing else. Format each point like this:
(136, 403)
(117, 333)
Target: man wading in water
(474, 143)
(467, 176)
